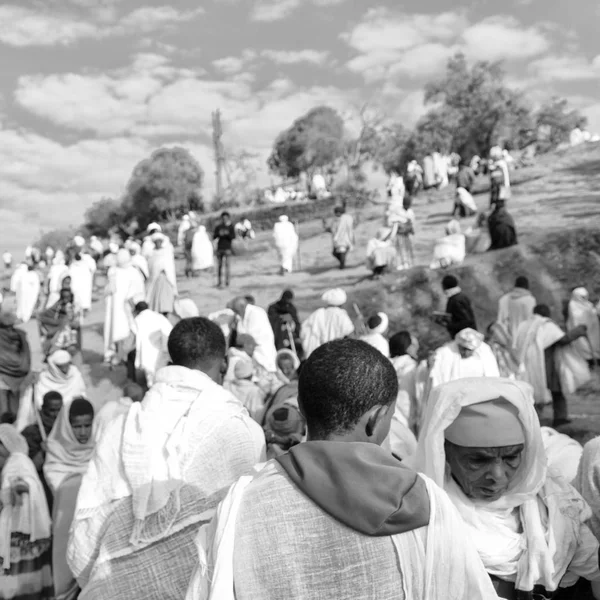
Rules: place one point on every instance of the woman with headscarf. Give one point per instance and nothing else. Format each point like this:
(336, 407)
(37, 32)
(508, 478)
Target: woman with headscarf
(377, 327)
(138, 261)
(60, 375)
(59, 325)
(381, 254)
(15, 363)
(25, 527)
(501, 225)
(162, 284)
(27, 293)
(581, 311)
(327, 323)
(481, 442)
(70, 448)
(499, 177)
(57, 272)
(82, 281)
(202, 251)
(451, 249)
(499, 340)
(286, 243)
(124, 289)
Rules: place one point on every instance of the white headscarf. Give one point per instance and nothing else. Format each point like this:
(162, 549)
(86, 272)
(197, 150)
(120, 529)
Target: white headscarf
(527, 556)
(335, 297)
(383, 326)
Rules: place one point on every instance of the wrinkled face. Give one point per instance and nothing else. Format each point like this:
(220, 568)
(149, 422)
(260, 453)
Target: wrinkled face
(4, 454)
(465, 352)
(82, 427)
(286, 365)
(51, 408)
(484, 473)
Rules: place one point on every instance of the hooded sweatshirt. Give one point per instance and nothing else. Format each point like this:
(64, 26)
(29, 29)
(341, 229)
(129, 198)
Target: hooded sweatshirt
(359, 484)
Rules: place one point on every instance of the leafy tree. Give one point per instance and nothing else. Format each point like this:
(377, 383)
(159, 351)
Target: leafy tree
(314, 140)
(56, 238)
(558, 122)
(164, 186)
(241, 176)
(481, 108)
(103, 215)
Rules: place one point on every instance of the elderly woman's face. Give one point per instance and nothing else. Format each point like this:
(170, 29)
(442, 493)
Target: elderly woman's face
(484, 473)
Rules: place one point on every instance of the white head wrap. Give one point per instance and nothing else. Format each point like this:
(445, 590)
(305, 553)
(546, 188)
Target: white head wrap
(383, 326)
(113, 247)
(79, 241)
(283, 219)
(335, 297)
(154, 227)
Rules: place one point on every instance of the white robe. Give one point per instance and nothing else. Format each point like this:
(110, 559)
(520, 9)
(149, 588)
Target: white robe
(449, 364)
(56, 274)
(325, 325)
(202, 250)
(377, 341)
(16, 276)
(256, 323)
(286, 242)
(582, 312)
(151, 336)
(514, 308)
(27, 292)
(82, 282)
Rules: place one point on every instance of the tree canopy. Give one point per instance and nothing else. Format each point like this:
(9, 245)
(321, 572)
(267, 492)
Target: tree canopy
(558, 121)
(314, 140)
(164, 186)
(103, 215)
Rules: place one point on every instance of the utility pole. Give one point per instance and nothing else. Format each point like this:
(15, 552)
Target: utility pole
(219, 158)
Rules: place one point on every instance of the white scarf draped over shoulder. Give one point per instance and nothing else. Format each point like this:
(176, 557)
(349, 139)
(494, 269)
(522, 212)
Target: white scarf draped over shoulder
(552, 545)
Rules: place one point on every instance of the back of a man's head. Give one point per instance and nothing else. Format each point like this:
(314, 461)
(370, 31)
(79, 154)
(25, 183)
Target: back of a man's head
(543, 310)
(522, 282)
(197, 343)
(340, 382)
(449, 282)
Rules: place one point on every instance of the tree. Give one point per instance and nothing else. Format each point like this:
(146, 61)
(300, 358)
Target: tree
(241, 176)
(103, 215)
(164, 186)
(481, 108)
(56, 238)
(558, 122)
(314, 140)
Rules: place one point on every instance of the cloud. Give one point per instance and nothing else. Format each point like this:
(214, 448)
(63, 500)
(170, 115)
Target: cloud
(22, 26)
(229, 65)
(503, 37)
(273, 10)
(290, 57)
(565, 68)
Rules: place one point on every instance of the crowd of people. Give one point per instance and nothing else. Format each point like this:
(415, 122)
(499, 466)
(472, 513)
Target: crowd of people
(360, 466)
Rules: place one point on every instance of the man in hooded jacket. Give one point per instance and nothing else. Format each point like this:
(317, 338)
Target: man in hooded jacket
(284, 320)
(339, 516)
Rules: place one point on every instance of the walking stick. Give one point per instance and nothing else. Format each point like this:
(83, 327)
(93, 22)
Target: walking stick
(291, 338)
(361, 319)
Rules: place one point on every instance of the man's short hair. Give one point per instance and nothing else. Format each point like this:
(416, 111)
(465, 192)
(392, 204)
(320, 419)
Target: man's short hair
(51, 395)
(449, 282)
(141, 307)
(80, 406)
(543, 310)
(522, 282)
(340, 382)
(399, 343)
(225, 214)
(287, 295)
(196, 341)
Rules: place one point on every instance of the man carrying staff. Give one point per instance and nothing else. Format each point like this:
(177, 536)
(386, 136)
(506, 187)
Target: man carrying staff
(339, 516)
(224, 235)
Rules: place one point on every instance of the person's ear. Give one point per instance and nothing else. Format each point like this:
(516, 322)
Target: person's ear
(376, 420)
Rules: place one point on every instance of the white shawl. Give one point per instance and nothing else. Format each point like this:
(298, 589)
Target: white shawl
(325, 325)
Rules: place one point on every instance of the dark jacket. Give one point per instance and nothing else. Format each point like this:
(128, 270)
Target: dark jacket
(280, 313)
(461, 312)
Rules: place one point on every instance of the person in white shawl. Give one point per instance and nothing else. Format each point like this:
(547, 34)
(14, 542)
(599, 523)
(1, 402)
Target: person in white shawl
(132, 392)
(162, 284)
(158, 474)
(82, 272)
(139, 261)
(465, 356)
(516, 306)
(254, 321)
(552, 366)
(582, 312)
(203, 253)
(338, 516)
(451, 249)
(27, 292)
(377, 327)
(57, 272)
(183, 227)
(152, 332)
(481, 442)
(327, 323)
(18, 273)
(124, 289)
(25, 527)
(286, 242)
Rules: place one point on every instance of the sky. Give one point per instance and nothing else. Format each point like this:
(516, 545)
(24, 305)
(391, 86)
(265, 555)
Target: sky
(88, 88)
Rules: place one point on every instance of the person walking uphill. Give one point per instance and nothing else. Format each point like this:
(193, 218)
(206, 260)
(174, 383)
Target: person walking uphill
(342, 231)
(339, 516)
(458, 308)
(224, 235)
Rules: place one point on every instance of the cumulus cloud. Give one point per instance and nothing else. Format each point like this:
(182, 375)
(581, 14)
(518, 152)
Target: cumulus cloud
(503, 37)
(273, 10)
(565, 68)
(290, 57)
(21, 26)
